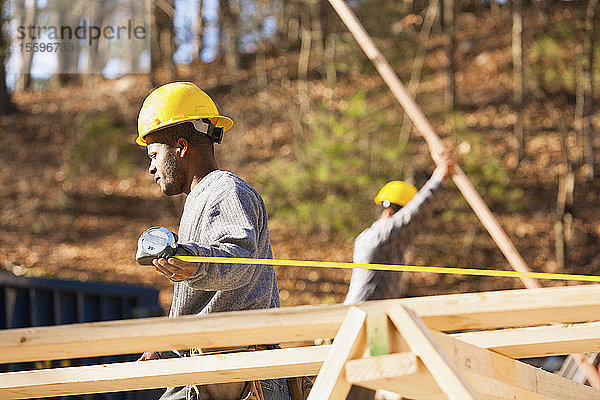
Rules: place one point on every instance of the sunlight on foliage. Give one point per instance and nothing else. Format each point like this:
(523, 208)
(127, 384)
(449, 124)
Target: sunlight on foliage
(486, 171)
(102, 147)
(329, 184)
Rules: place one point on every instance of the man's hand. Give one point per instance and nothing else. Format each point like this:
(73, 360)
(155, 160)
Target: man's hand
(175, 269)
(444, 163)
(149, 355)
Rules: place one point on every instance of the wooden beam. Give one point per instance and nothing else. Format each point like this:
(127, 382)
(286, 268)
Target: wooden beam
(508, 308)
(488, 310)
(233, 367)
(500, 377)
(448, 377)
(350, 343)
(538, 341)
(492, 375)
(401, 373)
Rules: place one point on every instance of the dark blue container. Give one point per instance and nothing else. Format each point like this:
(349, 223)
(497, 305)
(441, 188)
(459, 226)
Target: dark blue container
(26, 302)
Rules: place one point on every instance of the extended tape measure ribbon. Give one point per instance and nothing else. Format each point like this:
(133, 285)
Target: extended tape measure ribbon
(389, 267)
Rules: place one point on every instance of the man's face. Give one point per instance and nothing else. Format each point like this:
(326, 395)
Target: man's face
(166, 168)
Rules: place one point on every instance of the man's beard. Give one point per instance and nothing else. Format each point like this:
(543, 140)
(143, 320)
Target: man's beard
(173, 177)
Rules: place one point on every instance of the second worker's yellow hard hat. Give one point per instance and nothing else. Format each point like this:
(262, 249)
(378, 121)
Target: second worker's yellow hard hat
(396, 192)
(175, 103)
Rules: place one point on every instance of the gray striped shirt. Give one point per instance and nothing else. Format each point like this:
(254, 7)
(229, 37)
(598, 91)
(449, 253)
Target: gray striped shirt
(223, 216)
(385, 242)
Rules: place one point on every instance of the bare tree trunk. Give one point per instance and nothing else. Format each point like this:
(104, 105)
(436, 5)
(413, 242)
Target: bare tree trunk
(96, 54)
(6, 105)
(229, 19)
(201, 26)
(417, 67)
(161, 38)
(261, 48)
(67, 61)
(450, 8)
(290, 21)
(329, 56)
(518, 74)
(564, 217)
(303, 62)
(564, 198)
(540, 7)
(154, 44)
(579, 115)
(588, 128)
(494, 8)
(24, 81)
(316, 26)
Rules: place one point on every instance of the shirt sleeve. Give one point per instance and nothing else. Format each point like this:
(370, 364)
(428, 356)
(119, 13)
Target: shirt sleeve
(368, 244)
(404, 216)
(232, 228)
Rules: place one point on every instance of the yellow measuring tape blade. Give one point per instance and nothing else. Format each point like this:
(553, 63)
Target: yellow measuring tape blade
(389, 267)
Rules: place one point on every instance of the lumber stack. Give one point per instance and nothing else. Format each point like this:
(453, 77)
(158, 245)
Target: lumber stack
(413, 347)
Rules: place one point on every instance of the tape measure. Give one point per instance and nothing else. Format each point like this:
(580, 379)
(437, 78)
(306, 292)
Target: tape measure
(160, 242)
(156, 242)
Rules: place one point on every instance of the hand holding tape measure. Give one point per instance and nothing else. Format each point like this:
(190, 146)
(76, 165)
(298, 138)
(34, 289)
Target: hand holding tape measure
(158, 247)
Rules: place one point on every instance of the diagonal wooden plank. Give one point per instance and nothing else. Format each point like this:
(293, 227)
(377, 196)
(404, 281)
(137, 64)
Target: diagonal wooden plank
(498, 376)
(416, 334)
(233, 367)
(349, 343)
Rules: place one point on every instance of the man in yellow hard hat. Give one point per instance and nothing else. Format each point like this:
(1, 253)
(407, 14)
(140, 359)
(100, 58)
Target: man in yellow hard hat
(386, 240)
(223, 216)
(400, 208)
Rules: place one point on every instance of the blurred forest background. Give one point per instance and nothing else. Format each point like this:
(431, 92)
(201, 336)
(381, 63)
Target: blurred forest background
(509, 86)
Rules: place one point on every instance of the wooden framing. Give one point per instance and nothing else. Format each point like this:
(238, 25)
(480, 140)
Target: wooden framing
(487, 310)
(415, 357)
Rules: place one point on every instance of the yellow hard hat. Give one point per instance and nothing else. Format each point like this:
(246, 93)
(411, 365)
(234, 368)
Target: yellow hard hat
(175, 103)
(396, 192)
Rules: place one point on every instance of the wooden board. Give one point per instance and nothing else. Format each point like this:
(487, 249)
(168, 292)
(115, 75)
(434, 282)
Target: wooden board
(489, 310)
(538, 341)
(232, 367)
(492, 375)
(350, 343)
(421, 342)
(400, 372)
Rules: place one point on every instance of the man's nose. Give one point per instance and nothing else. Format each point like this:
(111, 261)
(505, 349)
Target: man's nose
(152, 169)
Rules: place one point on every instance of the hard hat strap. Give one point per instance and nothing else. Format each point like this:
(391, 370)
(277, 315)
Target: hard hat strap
(204, 126)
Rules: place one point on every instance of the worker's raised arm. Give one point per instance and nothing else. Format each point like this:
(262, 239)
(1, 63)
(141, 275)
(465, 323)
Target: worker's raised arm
(413, 208)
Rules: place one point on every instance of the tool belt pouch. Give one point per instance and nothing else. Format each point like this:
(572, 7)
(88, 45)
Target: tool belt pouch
(251, 390)
(299, 387)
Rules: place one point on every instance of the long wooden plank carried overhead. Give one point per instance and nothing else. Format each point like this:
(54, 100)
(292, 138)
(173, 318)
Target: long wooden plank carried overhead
(233, 367)
(436, 145)
(488, 310)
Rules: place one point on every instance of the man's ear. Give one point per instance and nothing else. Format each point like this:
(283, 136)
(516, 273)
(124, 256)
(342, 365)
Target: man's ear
(182, 147)
(387, 212)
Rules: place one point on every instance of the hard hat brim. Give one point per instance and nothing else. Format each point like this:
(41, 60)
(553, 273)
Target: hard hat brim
(219, 121)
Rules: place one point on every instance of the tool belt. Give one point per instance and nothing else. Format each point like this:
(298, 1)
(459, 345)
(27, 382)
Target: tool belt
(298, 387)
